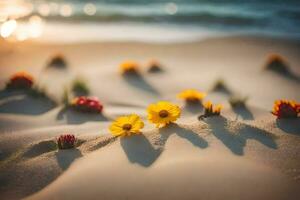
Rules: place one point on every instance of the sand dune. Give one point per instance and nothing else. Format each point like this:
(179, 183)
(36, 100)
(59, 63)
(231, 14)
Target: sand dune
(244, 154)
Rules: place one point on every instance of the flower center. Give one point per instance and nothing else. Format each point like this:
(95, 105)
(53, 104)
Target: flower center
(127, 127)
(163, 113)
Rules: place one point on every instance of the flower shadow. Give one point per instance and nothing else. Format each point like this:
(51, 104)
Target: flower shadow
(289, 125)
(139, 150)
(137, 80)
(20, 102)
(187, 134)
(66, 157)
(282, 69)
(75, 117)
(243, 111)
(236, 140)
(193, 107)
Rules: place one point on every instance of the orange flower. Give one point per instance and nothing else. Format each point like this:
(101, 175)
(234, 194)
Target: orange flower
(20, 80)
(286, 109)
(211, 110)
(154, 66)
(129, 67)
(275, 58)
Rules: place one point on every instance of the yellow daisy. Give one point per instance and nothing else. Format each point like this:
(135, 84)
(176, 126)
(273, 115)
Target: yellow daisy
(163, 113)
(191, 95)
(126, 125)
(129, 67)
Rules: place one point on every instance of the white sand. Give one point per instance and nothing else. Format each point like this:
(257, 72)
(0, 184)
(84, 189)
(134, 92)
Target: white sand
(246, 154)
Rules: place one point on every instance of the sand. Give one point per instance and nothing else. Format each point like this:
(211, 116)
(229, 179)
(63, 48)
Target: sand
(244, 154)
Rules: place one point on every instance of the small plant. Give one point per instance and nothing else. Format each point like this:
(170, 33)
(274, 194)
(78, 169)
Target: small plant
(80, 88)
(154, 66)
(65, 97)
(276, 62)
(286, 109)
(66, 141)
(87, 104)
(238, 101)
(58, 61)
(211, 110)
(129, 67)
(20, 80)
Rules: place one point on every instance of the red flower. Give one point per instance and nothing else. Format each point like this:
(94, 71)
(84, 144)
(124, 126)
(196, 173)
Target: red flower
(20, 80)
(66, 141)
(87, 104)
(286, 109)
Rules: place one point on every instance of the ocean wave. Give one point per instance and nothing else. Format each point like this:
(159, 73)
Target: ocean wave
(189, 18)
(270, 15)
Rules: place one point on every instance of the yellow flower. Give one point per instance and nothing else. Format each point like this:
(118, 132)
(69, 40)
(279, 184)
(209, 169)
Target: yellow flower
(191, 95)
(129, 67)
(211, 110)
(126, 125)
(163, 113)
(217, 109)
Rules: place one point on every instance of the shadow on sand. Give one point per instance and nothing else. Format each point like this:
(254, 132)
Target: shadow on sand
(139, 150)
(283, 69)
(40, 148)
(220, 86)
(75, 117)
(243, 111)
(236, 140)
(193, 107)
(187, 134)
(137, 80)
(20, 102)
(289, 125)
(66, 157)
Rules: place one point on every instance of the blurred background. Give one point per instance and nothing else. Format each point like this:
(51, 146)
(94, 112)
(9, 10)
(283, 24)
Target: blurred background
(155, 20)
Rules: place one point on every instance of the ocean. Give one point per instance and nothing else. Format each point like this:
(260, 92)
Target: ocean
(279, 18)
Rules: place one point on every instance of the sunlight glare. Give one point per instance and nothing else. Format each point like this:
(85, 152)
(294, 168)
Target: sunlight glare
(8, 28)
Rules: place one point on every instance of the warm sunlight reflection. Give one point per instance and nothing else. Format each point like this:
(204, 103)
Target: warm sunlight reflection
(8, 28)
(66, 10)
(3, 18)
(21, 35)
(53, 8)
(35, 26)
(44, 9)
(14, 9)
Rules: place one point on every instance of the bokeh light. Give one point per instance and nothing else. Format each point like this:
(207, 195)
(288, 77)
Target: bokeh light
(66, 10)
(8, 28)
(171, 8)
(89, 9)
(21, 35)
(44, 10)
(35, 26)
(3, 18)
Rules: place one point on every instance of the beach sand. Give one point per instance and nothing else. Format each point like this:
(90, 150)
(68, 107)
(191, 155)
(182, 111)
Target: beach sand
(243, 154)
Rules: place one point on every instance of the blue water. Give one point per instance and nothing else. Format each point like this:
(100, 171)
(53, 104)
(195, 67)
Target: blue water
(278, 17)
